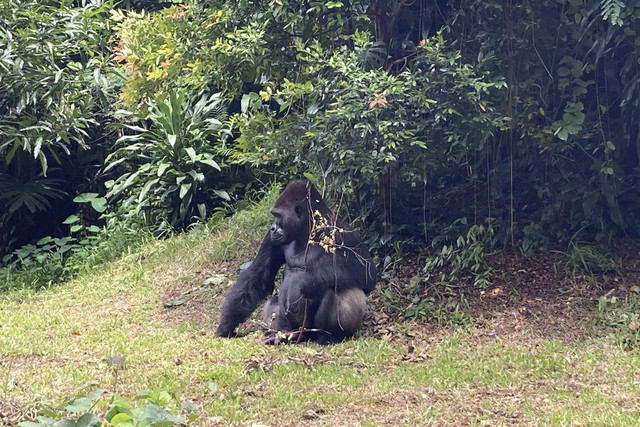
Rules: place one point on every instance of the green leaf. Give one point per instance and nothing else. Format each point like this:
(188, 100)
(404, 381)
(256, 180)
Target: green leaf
(192, 153)
(184, 189)
(43, 163)
(188, 406)
(223, 194)
(85, 197)
(99, 204)
(71, 219)
(210, 162)
(146, 188)
(81, 404)
(610, 146)
(44, 240)
(88, 420)
(136, 128)
(244, 103)
(113, 164)
(162, 167)
(122, 419)
(172, 138)
(607, 170)
(154, 414)
(37, 147)
(131, 179)
(47, 422)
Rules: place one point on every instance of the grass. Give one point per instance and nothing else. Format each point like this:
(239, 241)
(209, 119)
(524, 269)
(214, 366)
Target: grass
(55, 344)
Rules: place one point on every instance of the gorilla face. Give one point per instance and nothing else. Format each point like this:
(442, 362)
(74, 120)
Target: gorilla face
(277, 234)
(287, 224)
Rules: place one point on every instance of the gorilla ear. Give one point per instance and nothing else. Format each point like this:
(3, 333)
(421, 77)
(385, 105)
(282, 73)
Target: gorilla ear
(299, 212)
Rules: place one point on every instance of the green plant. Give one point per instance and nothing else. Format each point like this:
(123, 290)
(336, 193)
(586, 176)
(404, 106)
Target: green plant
(21, 202)
(533, 239)
(34, 195)
(587, 259)
(52, 260)
(465, 258)
(171, 169)
(59, 83)
(356, 126)
(621, 314)
(81, 412)
(37, 265)
(54, 67)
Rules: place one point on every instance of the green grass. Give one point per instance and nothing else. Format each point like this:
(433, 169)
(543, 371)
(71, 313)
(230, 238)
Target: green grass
(55, 344)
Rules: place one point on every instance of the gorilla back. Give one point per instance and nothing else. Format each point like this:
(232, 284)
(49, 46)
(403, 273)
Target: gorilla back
(328, 273)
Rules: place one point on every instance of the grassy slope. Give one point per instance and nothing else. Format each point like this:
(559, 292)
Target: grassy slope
(54, 345)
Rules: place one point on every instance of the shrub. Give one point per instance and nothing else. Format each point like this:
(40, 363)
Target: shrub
(171, 170)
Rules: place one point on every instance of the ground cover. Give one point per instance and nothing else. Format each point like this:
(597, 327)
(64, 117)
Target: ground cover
(532, 349)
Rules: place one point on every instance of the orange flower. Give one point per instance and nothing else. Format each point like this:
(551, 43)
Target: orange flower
(379, 99)
(118, 53)
(179, 13)
(132, 69)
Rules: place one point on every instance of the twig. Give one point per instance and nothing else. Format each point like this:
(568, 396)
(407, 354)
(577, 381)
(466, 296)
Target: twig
(304, 321)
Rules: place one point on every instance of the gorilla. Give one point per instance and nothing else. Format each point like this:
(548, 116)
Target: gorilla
(328, 273)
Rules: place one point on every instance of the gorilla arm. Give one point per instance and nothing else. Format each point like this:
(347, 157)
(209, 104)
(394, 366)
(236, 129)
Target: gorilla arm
(252, 286)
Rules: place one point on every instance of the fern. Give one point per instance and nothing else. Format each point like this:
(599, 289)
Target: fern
(34, 194)
(611, 10)
(372, 57)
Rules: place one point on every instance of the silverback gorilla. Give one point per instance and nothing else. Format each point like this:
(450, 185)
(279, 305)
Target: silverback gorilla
(328, 273)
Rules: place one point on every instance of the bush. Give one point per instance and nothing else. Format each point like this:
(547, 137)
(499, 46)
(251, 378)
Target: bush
(171, 170)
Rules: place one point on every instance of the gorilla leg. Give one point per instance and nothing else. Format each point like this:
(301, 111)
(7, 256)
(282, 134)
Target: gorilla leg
(285, 314)
(270, 313)
(339, 315)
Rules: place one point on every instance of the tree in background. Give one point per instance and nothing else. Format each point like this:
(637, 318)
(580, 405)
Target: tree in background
(57, 84)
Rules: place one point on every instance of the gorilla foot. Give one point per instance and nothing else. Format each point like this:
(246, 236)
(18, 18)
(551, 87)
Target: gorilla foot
(278, 337)
(296, 337)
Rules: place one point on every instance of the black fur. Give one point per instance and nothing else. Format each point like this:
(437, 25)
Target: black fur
(252, 286)
(328, 272)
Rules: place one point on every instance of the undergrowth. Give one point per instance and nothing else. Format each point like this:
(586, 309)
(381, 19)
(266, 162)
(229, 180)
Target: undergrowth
(153, 408)
(54, 260)
(621, 315)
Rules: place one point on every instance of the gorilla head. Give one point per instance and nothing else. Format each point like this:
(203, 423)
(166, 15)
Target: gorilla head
(293, 212)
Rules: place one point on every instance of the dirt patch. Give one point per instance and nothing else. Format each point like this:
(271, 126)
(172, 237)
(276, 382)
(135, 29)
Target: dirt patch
(196, 298)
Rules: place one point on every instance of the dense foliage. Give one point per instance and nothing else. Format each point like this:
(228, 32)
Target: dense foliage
(57, 82)
(420, 119)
